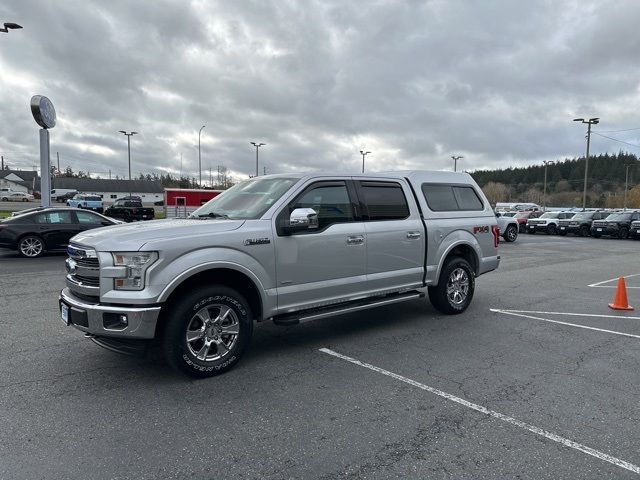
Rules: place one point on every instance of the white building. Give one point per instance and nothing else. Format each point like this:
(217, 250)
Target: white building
(18, 180)
(111, 190)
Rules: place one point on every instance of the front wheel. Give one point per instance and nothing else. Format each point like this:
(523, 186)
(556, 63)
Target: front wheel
(31, 246)
(584, 231)
(207, 331)
(511, 234)
(455, 288)
(551, 229)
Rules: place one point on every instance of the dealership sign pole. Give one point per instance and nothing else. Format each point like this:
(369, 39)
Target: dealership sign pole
(45, 116)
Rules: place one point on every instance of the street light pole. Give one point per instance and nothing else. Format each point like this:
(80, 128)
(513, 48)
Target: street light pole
(257, 145)
(591, 121)
(626, 182)
(544, 191)
(455, 161)
(364, 154)
(129, 135)
(199, 158)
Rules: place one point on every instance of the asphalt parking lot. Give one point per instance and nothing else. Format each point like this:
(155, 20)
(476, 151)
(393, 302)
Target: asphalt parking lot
(538, 379)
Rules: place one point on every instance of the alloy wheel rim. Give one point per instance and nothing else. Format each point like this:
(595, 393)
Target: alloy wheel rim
(31, 247)
(212, 332)
(512, 234)
(458, 286)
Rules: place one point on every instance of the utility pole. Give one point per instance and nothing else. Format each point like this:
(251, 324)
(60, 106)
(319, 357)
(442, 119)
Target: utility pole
(364, 154)
(58, 156)
(257, 145)
(626, 182)
(591, 121)
(544, 191)
(199, 158)
(181, 165)
(455, 161)
(109, 174)
(210, 178)
(264, 170)
(2, 162)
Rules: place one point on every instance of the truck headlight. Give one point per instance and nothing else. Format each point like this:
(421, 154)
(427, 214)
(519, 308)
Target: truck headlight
(137, 264)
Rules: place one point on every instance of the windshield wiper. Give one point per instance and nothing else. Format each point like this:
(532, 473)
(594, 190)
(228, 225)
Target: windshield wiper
(214, 215)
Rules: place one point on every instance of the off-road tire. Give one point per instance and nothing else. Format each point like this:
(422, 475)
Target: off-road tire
(584, 231)
(551, 229)
(438, 294)
(178, 318)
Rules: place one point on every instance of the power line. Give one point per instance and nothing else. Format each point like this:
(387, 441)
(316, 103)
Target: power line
(616, 131)
(616, 140)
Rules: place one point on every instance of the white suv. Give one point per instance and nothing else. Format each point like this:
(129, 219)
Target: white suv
(548, 222)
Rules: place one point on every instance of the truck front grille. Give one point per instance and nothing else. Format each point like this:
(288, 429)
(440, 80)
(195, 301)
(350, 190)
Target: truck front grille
(83, 271)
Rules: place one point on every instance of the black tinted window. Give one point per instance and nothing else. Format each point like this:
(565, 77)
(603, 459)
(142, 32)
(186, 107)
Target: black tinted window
(331, 203)
(467, 198)
(385, 201)
(440, 198)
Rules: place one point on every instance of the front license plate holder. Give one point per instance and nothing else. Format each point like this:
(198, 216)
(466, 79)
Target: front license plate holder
(64, 313)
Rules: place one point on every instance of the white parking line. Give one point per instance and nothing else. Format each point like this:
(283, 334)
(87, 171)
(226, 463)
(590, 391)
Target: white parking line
(505, 418)
(600, 284)
(507, 312)
(565, 313)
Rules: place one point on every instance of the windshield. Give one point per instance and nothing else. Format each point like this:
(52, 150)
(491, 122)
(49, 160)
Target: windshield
(583, 216)
(246, 200)
(619, 217)
(508, 214)
(550, 215)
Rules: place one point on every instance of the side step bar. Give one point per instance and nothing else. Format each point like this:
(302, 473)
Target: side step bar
(341, 308)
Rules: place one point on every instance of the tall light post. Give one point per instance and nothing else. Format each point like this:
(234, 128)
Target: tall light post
(200, 158)
(544, 190)
(455, 161)
(626, 182)
(364, 154)
(591, 121)
(129, 135)
(257, 145)
(10, 26)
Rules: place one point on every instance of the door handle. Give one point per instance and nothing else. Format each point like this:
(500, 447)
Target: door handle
(413, 235)
(355, 240)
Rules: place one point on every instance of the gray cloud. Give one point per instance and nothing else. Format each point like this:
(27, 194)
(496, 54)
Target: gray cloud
(412, 81)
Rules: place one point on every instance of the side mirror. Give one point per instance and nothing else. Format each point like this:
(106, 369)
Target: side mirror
(302, 219)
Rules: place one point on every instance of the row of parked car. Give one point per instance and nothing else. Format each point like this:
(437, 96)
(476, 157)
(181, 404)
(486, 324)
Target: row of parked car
(596, 223)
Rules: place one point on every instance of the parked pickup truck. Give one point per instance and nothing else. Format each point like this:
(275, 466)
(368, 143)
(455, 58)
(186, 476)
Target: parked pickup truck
(90, 202)
(129, 210)
(286, 248)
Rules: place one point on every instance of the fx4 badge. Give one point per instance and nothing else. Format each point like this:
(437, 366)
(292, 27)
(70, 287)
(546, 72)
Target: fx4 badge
(482, 229)
(256, 241)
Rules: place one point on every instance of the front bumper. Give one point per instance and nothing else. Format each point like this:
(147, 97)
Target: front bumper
(92, 318)
(569, 228)
(536, 228)
(605, 230)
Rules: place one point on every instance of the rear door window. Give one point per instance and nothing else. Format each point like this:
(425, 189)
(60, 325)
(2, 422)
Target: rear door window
(384, 201)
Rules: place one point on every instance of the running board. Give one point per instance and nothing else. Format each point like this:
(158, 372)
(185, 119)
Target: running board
(342, 308)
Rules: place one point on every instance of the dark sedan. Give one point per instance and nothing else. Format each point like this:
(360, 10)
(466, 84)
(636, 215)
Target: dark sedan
(47, 229)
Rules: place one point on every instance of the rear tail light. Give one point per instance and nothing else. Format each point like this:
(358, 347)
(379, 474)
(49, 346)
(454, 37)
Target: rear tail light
(496, 235)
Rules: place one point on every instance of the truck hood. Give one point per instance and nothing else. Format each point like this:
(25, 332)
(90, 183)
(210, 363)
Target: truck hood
(132, 236)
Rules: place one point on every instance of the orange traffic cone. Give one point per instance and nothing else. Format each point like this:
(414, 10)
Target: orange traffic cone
(620, 301)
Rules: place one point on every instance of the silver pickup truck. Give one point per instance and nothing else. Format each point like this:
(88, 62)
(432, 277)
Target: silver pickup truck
(286, 248)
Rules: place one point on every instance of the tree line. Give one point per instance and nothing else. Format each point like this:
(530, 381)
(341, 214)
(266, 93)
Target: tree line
(565, 181)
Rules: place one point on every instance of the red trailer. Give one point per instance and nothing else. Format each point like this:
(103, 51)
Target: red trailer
(180, 202)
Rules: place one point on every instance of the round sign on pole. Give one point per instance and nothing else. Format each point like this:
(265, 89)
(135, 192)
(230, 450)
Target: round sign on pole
(43, 111)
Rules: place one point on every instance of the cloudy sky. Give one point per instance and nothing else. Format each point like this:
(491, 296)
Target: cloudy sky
(413, 82)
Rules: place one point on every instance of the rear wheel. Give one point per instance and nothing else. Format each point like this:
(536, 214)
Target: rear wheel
(31, 246)
(623, 233)
(455, 288)
(510, 234)
(207, 331)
